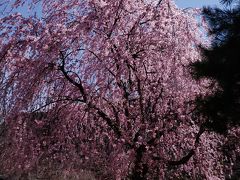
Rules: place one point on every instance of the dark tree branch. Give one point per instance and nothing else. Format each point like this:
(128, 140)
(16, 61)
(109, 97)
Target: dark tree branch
(73, 82)
(188, 156)
(79, 85)
(183, 160)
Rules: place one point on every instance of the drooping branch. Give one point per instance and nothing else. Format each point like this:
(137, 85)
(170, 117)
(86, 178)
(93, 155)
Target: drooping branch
(183, 160)
(116, 19)
(109, 121)
(79, 85)
(187, 157)
(73, 82)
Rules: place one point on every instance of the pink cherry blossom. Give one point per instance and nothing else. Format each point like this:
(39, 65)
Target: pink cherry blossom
(104, 86)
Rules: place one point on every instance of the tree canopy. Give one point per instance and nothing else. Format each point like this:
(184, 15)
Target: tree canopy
(221, 63)
(104, 86)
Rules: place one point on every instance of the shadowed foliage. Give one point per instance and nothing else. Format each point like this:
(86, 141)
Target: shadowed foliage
(222, 63)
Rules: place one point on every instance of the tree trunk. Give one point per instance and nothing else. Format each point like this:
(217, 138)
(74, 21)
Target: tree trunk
(140, 169)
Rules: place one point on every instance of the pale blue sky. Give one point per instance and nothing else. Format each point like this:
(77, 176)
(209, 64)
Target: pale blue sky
(196, 3)
(180, 3)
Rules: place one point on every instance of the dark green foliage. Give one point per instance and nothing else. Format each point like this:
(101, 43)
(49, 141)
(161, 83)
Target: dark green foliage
(222, 64)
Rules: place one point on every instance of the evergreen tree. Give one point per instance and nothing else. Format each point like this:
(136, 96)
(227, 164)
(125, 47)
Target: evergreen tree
(222, 65)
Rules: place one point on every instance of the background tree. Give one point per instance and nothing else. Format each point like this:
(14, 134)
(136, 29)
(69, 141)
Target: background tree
(103, 85)
(221, 63)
